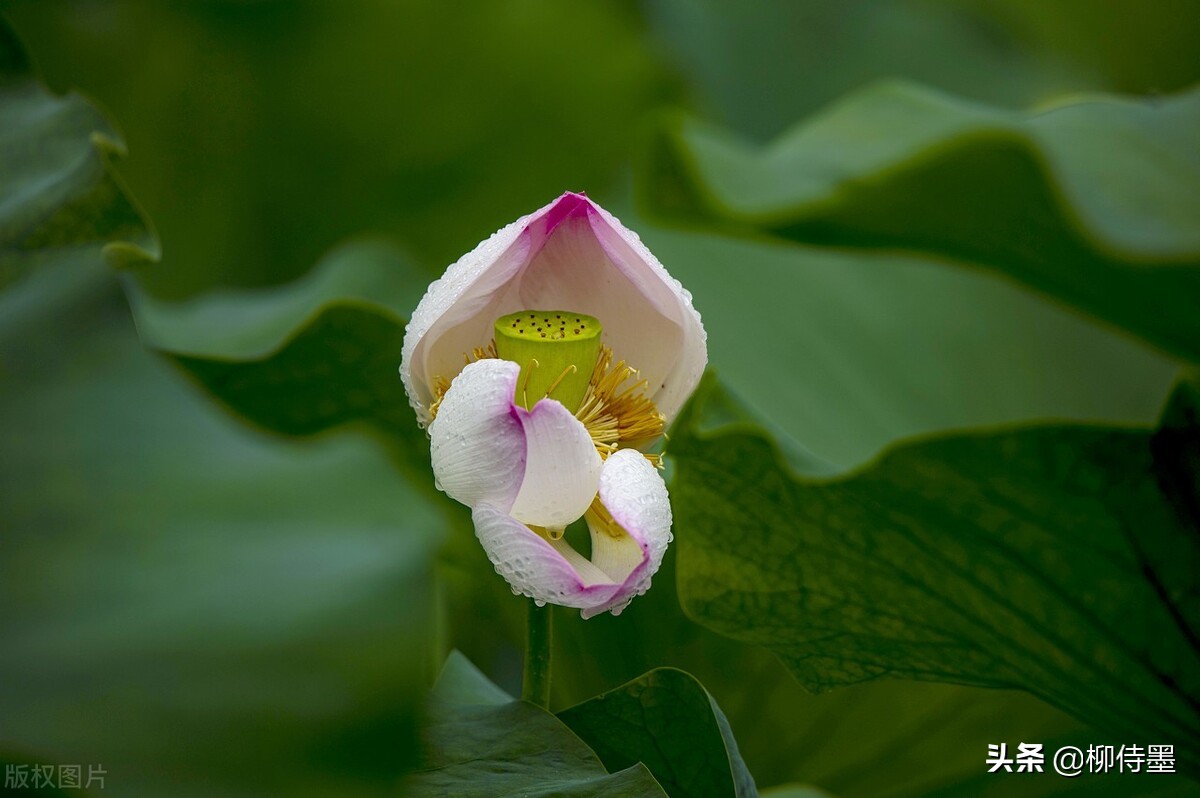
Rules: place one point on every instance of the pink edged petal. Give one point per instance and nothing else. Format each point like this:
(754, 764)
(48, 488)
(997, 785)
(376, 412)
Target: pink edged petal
(570, 254)
(457, 312)
(477, 442)
(672, 384)
(562, 467)
(569, 206)
(458, 309)
(572, 271)
(633, 492)
(535, 568)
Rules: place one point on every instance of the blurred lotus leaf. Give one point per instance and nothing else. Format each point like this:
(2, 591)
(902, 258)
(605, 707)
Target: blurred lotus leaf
(1094, 202)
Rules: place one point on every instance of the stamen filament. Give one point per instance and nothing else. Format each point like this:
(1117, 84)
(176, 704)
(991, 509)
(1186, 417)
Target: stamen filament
(600, 517)
(568, 370)
(528, 376)
(615, 409)
(617, 413)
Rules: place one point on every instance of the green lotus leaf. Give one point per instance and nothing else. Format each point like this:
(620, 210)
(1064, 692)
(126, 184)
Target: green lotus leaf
(1060, 559)
(1092, 201)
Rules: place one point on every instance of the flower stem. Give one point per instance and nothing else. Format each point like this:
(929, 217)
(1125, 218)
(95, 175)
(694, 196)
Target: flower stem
(536, 686)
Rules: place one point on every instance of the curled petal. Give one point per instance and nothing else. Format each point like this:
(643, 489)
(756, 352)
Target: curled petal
(477, 442)
(562, 467)
(555, 574)
(627, 546)
(635, 497)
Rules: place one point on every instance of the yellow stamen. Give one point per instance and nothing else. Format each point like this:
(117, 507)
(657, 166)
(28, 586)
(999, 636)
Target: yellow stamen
(441, 384)
(568, 370)
(615, 409)
(480, 353)
(533, 364)
(617, 413)
(599, 516)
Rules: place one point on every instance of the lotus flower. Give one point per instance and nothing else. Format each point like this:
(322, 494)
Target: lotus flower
(544, 363)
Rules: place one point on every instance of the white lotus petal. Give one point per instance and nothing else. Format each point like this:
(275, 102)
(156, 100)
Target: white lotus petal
(519, 468)
(633, 492)
(457, 312)
(562, 467)
(671, 386)
(477, 441)
(574, 255)
(571, 270)
(534, 567)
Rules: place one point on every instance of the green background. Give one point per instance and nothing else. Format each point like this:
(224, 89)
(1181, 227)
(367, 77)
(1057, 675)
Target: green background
(251, 596)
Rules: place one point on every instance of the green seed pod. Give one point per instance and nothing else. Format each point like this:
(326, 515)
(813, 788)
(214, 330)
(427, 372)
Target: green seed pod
(556, 350)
